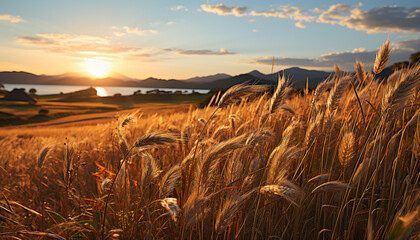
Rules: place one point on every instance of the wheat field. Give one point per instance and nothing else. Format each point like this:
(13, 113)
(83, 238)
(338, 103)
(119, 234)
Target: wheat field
(339, 162)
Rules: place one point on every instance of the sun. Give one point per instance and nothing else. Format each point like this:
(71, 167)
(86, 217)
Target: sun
(97, 68)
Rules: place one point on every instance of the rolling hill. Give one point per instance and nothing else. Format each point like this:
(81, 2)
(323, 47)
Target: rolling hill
(297, 76)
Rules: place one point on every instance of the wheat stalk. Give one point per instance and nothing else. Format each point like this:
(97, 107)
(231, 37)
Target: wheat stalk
(169, 181)
(281, 92)
(285, 189)
(382, 58)
(42, 155)
(239, 91)
(332, 186)
(347, 149)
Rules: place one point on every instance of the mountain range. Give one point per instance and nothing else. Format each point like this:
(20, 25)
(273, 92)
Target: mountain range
(297, 76)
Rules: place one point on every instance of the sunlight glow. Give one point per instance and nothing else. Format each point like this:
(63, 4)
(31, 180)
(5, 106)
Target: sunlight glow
(97, 68)
(101, 92)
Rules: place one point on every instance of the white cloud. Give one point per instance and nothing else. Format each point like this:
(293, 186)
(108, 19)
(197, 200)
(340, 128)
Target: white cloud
(179, 7)
(255, 30)
(170, 23)
(251, 20)
(10, 18)
(300, 25)
(223, 10)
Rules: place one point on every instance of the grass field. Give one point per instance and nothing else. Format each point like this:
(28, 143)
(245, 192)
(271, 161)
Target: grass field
(340, 162)
(59, 106)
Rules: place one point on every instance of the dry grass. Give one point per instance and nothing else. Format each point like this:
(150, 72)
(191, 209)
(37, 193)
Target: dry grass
(242, 169)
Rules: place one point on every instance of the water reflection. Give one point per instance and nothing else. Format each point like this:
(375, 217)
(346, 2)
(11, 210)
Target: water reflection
(101, 92)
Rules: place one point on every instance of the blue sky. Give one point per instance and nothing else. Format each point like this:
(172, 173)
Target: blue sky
(181, 39)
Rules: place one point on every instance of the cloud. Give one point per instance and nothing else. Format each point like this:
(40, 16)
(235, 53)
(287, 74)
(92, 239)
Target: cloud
(376, 20)
(334, 14)
(255, 30)
(251, 20)
(76, 45)
(170, 23)
(412, 45)
(222, 51)
(131, 30)
(300, 25)
(85, 46)
(179, 7)
(356, 50)
(10, 18)
(346, 60)
(223, 10)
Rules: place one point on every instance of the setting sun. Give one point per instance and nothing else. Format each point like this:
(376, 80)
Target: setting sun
(97, 68)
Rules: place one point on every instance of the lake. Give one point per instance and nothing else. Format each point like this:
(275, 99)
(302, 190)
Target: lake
(102, 91)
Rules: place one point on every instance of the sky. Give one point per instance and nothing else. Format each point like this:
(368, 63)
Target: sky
(179, 39)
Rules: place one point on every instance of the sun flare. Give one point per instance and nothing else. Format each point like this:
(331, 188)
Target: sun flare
(97, 68)
(101, 92)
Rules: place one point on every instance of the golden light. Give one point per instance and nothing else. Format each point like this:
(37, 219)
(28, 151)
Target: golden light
(97, 68)
(101, 92)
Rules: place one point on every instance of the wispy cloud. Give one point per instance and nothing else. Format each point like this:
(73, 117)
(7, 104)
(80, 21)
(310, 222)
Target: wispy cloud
(179, 7)
(346, 59)
(77, 45)
(286, 11)
(300, 25)
(121, 31)
(222, 51)
(85, 46)
(10, 18)
(223, 10)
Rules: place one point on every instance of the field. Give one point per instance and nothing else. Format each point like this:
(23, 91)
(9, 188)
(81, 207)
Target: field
(64, 105)
(339, 162)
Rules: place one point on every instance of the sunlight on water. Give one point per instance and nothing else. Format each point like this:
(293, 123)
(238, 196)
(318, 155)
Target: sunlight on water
(101, 92)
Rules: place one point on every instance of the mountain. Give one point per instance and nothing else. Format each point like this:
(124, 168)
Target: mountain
(269, 77)
(18, 77)
(161, 83)
(209, 78)
(297, 76)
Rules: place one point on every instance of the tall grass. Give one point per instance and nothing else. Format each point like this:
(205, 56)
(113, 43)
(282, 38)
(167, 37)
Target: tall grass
(340, 162)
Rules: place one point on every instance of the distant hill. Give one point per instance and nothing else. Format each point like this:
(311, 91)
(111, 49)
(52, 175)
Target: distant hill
(209, 78)
(297, 76)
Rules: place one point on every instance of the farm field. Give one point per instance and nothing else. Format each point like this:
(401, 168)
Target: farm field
(60, 106)
(339, 162)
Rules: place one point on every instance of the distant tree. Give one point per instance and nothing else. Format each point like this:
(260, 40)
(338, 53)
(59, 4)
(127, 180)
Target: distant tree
(138, 92)
(399, 65)
(1, 86)
(118, 95)
(32, 91)
(415, 58)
